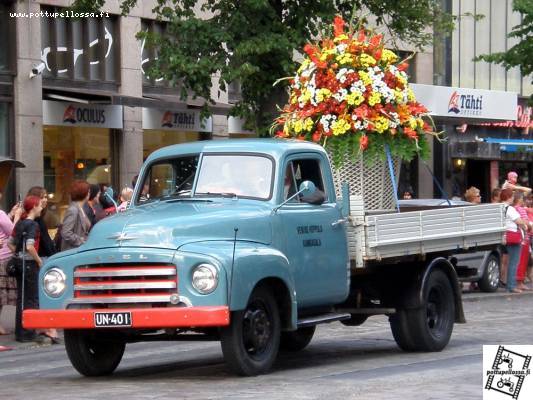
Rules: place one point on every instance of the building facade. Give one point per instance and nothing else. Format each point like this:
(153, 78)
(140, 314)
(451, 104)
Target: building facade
(478, 152)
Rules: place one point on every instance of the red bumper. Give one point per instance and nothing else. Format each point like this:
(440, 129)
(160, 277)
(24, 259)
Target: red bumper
(140, 318)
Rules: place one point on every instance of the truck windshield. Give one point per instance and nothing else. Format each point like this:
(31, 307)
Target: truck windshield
(235, 174)
(167, 178)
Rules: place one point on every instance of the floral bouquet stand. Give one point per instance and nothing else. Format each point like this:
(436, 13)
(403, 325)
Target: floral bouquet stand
(351, 95)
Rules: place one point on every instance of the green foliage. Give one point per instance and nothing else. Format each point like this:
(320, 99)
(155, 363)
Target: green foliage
(253, 42)
(520, 55)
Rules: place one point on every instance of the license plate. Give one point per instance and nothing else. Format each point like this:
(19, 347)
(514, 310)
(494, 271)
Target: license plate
(112, 319)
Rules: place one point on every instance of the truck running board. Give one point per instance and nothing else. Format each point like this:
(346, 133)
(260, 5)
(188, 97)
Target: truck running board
(321, 319)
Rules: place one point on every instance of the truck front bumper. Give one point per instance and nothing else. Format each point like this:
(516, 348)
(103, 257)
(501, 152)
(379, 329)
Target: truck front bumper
(178, 317)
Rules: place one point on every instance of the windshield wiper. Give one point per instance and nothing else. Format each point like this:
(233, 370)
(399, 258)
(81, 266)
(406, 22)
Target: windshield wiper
(215, 194)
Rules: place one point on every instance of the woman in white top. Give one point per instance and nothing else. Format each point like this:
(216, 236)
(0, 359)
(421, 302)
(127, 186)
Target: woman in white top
(513, 223)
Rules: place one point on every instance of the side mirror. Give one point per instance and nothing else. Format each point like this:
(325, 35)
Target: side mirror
(307, 188)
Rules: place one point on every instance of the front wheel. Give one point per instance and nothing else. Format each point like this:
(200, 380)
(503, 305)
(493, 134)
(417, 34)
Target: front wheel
(91, 354)
(250, 343)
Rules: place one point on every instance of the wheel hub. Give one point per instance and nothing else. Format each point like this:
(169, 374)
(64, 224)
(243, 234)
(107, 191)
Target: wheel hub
(257, 330)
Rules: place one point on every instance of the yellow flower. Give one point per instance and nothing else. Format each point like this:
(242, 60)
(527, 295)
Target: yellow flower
(345, 58)
(412, 123)
(305, 96)
(298, 126)
(323, 94)
(340, 38)
(374, 99)
(365, 78)
(381, 124)
(305, 65)
(388, 56)
(294, 99)
(420, 122)
(308, 124)
(398, 95)
(355, 98)
(410, 95)
(340, 127)
(401, 79)
(366, 60)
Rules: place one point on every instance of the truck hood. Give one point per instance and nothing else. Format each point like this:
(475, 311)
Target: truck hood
(174, 223)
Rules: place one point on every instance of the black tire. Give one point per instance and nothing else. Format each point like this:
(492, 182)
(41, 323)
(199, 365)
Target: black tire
(400, 330)
(90, 354)
(297, 340)
(250, 343)
(491, 276)
(429, 327)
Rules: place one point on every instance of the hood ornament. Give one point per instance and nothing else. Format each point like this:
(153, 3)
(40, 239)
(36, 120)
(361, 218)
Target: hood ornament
(120, 237)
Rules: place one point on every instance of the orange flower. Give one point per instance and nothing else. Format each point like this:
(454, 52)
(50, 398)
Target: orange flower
(410, 133)
(363, 142)
(316, 136)
(338, 26)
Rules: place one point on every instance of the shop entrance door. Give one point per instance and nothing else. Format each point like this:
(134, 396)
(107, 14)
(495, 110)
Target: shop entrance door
(478, 175)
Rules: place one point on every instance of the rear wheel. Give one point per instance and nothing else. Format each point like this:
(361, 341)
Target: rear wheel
(91, 354)
(491, 276)
(250, 344)
(429, 327)
(297, 340)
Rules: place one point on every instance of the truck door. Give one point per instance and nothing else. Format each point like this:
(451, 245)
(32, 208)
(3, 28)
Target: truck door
(315, 246)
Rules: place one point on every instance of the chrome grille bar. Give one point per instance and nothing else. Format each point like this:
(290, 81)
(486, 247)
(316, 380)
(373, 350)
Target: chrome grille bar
(120, 299)
(125, 285)
(91, 273)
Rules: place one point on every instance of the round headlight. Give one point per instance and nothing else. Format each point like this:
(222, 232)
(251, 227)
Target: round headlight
(205, 278)
(54, 282)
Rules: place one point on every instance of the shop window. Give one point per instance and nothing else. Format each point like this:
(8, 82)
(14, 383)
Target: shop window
(149, 53)
(7, 33)
(82, 49)
(74, 153)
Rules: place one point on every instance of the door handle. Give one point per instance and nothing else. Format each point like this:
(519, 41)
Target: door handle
(339, 222)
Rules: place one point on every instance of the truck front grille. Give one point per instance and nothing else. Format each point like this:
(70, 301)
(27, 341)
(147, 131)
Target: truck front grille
(120, 285)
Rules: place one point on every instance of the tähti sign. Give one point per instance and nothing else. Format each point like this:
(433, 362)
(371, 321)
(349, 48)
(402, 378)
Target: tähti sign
(186, 120)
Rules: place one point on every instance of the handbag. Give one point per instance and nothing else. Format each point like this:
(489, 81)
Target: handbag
(513, 237)
(14, 267)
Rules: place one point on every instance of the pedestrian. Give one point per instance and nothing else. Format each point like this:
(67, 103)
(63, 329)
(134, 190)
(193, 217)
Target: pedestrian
(513, 234)
(8, 284)
(107, 206)
(473, 195)
(125, 198)
(76, 225)
(26, 232)
(407, 195)
(47, 246)
(519, 205)
(93, 209)
(495, 195)
(511, 183)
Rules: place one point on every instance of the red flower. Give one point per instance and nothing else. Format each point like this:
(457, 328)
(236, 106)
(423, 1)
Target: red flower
(410, 133)
(363, 142)
(338, 26)
(316, 136)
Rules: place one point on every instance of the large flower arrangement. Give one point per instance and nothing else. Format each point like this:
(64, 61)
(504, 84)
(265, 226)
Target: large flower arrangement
(351, 95)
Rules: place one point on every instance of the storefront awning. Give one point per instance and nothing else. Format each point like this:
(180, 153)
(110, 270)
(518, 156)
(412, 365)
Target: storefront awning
(511, 145)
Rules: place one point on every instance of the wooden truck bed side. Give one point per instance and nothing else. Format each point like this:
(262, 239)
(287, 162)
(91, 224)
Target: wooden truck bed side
(392, 234)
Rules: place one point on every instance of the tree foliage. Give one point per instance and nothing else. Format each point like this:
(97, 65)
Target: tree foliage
(253, 42)
(520, 55)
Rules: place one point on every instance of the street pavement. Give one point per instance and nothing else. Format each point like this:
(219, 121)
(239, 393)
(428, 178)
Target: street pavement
(341, 362)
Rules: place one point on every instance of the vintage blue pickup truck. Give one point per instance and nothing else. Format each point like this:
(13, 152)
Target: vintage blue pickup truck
(245, 241)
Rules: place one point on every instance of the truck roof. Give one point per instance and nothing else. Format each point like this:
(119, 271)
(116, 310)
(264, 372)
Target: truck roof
(273, 147)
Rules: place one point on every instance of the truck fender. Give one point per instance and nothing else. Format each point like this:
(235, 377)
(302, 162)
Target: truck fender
(411, 296)
(445, 266)
(256, 264)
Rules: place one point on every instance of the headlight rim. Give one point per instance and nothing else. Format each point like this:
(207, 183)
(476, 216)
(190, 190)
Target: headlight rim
(213, 269)
(63, 277)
